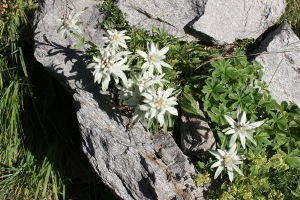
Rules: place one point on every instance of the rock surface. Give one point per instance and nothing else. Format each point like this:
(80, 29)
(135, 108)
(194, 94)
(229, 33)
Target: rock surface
(196, 136)
(169, 15)
(132, 162)
(280, 59)
(212, 21)
(225, 21)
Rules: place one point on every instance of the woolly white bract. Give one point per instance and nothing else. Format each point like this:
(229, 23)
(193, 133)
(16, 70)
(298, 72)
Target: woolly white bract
(107, 65)
(116, 39)
(70, 24)
(241, 128)
(156, 104)
(131, 94)
(154, 58)
(228, 160)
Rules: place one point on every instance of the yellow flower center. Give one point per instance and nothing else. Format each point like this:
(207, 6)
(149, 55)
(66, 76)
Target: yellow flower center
(153, 58)
(66, 22)
(227, 159)
(114, 37)
(158, 103)
(104, 63)
(240, 127)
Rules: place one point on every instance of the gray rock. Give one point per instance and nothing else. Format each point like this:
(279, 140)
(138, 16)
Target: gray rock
(196, 136)
(224, 21)
(132, 162)
(169, 15)
(280, 58)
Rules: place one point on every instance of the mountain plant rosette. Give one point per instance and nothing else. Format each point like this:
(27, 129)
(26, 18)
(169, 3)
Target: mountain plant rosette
(146, 85)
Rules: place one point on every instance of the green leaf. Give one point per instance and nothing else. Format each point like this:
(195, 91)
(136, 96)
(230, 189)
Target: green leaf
(297, 191)
(233, 96)
(200, 165)
(78, 45)
(293, 161)
(281, 124)
(189, 104)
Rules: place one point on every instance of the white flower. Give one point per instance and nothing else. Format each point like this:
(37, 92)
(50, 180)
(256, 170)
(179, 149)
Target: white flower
(156, 104)
(70, 24)
(144, 80)
(107, 65)
(116, 38)
(131, 94)
(228, 160)
(241, 128)
(154, 58)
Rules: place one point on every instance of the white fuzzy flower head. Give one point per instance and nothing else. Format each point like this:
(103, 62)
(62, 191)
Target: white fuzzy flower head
(144, 80)
(107, 65)
(116, 39)
(156, 104)
(131, 94)
(154, 58)
(241, 128)
(228, 160)
(70, 24)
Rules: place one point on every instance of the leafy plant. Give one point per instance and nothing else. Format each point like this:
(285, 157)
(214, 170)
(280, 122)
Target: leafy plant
(234, 83)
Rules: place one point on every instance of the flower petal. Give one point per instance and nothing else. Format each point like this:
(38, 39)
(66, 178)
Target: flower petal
(160, 119)
(256, 124)
(158, 67)
(216, 164)
(216, 154)
(233, 139)
(248, 136)
(243, 119)
(105, 82)
(172, 110)
(238, 112)
(232, 150)
(237, 169)
(230, 174)
(230, 131)
(229, 120)
(218, 172)
(164, 50)
(142, 53)
(165, 64)
(243, 140)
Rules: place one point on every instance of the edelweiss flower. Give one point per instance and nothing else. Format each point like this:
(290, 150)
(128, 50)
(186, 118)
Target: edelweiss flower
(144, 81)
(154, 58)
(108, 65)
(241, 128)
(70, 24)
(131, 94)
(228, 160)
(116, 38)
(157, 103)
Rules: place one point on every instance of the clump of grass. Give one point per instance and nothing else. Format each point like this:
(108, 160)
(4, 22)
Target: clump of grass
(21, 174)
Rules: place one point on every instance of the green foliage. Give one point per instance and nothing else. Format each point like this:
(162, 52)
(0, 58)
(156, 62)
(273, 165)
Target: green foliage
(203, 179)
(265, 178)
(234, 83)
